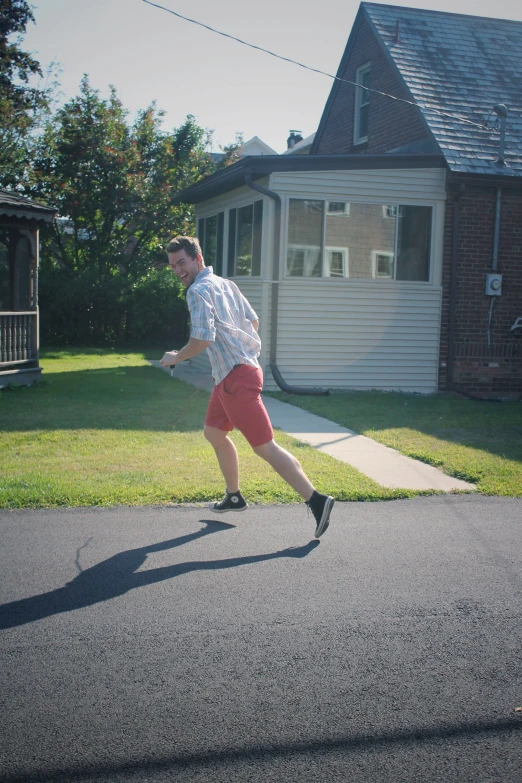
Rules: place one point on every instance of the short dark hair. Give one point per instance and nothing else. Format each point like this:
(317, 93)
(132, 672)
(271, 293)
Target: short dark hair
(190, 245)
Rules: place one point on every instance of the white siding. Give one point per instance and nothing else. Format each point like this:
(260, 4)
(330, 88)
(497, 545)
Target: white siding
(361, 334)
(391, 185)
(351, 333)
(358, 335)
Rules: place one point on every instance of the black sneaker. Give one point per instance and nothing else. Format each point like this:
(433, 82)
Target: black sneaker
(231, 502)
(321, 507)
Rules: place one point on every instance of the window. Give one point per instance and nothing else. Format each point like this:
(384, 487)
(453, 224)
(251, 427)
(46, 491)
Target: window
(244, 240)
(320, 244)
(305, 231)
(304, 261)
(362, 104)
(312, 227)
(382, 264)
(210, 235)
(389, 211)
(413, 243)
(337, 262)
(338, 208)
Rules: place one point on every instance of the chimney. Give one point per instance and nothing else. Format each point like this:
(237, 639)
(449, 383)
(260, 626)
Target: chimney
(294, 138)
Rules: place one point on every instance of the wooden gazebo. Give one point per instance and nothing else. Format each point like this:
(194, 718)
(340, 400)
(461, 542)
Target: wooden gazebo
(20, 221)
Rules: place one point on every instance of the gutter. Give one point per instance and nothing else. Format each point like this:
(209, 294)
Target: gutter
(276, 374)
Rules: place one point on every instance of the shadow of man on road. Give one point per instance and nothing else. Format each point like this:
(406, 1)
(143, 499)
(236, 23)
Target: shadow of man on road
(119, 574)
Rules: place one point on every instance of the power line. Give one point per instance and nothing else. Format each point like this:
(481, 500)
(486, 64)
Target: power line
(317, 70)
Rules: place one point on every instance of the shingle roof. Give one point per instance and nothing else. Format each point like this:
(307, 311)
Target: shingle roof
(463, 66)
(14, 205)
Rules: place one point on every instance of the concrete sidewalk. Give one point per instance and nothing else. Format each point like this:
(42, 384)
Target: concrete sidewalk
(384, 465)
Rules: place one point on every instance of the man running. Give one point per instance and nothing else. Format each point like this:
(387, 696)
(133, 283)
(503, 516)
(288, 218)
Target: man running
(224, 324)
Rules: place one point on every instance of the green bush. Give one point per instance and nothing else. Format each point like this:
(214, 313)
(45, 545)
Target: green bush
(86, 307)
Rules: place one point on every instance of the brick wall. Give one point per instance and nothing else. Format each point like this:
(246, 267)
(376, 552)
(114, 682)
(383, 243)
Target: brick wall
(496, 368)
(391, 124)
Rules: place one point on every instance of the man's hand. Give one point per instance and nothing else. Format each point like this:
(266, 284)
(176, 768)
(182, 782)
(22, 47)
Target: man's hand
(169, 359)
(191, 349)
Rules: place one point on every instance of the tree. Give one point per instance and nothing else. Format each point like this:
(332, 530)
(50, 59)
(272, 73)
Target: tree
(113, 184)
(21, 105)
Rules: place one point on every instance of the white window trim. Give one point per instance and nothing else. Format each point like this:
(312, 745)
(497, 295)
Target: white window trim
(388, 254)
(385, 212)
(305, 248)
(226, 235)
(359, 73)
(335, 213)
(226, 207)
(345, 254)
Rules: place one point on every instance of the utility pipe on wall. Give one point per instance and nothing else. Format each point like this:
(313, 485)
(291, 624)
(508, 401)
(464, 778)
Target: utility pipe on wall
(453, 287)
(276, 374)
(494, 259)
(496, 233)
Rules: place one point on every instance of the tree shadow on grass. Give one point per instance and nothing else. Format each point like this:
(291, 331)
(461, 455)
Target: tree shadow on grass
(119, 574)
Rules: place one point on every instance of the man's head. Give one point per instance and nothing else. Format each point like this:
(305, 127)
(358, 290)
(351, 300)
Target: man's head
(185, 258)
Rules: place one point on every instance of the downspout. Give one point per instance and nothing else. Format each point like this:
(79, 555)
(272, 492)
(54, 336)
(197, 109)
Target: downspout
(501, 111)
(494, 260)
(496, 234)
(453, 287)
(278, 378)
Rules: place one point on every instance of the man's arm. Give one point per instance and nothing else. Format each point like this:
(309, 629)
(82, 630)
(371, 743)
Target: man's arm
(191, 349)
(255, 324)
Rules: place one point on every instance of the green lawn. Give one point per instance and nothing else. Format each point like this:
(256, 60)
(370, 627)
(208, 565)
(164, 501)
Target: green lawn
(474, 440)
(105, 428)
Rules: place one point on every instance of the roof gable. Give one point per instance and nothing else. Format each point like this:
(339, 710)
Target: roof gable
(256, 146)
(460, 66)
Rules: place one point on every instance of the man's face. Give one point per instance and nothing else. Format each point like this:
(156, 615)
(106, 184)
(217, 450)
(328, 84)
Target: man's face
(185, 267)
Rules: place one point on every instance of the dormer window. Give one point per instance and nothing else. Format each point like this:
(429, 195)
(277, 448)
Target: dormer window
(362, 104)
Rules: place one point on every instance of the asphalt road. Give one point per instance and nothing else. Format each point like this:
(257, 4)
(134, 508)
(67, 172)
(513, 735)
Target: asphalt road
(160, 644)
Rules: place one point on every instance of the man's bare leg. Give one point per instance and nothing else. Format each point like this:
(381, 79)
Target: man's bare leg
(226, 454)
(288, 467)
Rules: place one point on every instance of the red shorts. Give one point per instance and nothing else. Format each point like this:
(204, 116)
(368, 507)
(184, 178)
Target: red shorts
(236, 402)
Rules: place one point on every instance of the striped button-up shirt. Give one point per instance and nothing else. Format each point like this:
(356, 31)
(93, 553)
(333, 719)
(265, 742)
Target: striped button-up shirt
(219, 313)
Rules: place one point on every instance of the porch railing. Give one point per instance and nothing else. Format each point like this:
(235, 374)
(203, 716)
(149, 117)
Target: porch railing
(18, 337)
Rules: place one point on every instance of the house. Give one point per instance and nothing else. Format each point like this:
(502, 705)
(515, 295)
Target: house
(255, 146)
(390, 256)
(20, 221)
(301, 147)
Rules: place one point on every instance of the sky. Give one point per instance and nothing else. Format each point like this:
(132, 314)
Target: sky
(151, 55)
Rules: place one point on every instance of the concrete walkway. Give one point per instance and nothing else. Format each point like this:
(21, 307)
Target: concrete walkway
(384, 465)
